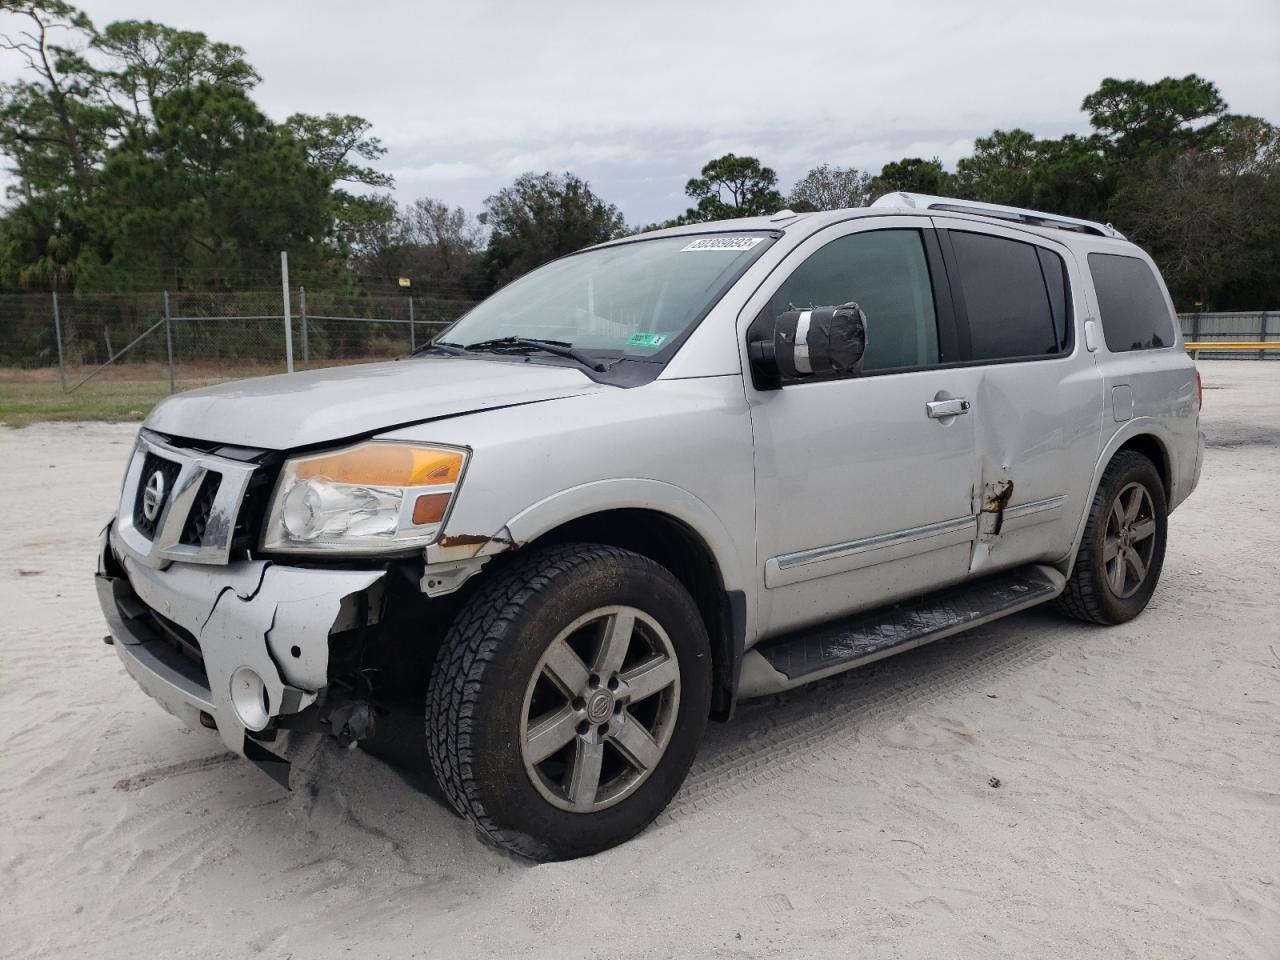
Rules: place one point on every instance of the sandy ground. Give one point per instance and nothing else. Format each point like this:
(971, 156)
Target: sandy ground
(1138, 812)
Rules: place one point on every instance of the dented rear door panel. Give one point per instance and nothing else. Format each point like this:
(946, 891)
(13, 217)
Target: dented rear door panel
(1037, 434)
(1037, 430)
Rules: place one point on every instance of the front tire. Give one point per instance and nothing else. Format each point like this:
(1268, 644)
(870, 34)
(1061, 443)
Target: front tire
(567, 700)
(1122, 552)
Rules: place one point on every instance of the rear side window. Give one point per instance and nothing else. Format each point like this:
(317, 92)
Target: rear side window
(1134, 313)
(1009, 297)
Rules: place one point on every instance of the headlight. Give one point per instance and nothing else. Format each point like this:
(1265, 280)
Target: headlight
(371, 498)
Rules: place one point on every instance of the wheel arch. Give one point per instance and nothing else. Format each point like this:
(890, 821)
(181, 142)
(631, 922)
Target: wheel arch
(673, 528)
(1143, 435)
(1149, 445)
(677, 547)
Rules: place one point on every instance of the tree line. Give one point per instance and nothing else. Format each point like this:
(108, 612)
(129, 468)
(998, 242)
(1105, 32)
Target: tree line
(139, 160)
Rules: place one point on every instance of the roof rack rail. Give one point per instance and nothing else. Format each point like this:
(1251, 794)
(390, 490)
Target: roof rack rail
(1033, 218)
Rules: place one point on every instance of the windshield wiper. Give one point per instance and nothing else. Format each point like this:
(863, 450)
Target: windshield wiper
(557, 347)
(444, 346)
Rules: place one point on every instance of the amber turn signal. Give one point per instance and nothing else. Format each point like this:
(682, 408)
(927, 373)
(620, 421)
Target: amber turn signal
(430, 508)
(385, 464)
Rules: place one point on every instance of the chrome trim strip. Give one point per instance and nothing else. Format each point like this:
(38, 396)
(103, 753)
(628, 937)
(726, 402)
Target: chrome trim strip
(1034, 506)
(1033, 512)
(802, 342)
(910, 535)
(164, 547)
(855, 554)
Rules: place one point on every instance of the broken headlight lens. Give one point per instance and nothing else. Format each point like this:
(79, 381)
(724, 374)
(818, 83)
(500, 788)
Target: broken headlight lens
(375, 497)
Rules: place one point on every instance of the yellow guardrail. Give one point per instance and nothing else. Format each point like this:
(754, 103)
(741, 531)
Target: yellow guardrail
(1196, 346)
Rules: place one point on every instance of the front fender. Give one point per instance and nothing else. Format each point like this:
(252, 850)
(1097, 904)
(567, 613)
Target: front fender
(598, 496)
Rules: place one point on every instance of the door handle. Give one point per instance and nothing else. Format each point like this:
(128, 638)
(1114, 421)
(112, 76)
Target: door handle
(939, 409)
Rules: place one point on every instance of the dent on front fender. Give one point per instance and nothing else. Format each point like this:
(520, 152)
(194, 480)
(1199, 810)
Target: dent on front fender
(452, 547)
(455, 558)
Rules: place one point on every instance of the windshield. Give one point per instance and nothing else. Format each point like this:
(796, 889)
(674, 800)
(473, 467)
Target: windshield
(633, 299)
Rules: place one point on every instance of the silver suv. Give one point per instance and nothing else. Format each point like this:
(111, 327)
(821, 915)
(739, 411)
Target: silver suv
(649, 480)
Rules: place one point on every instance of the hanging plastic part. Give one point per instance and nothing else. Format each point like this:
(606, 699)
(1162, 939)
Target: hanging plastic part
(351, 721)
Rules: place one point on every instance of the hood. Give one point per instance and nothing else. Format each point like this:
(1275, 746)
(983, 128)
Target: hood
(299, 409)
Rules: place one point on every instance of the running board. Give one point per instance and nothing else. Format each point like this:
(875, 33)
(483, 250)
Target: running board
(816, 652)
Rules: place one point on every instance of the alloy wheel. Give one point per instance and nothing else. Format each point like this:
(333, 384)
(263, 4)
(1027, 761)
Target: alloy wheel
(1129, 540)
(600, 709)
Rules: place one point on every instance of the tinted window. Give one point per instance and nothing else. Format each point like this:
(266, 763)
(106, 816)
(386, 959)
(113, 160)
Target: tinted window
(1134, 313)
(885, 273)
(1055, 281)
(1005, 297)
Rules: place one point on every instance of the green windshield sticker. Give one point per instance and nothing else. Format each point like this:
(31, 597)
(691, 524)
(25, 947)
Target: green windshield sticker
(650, 340)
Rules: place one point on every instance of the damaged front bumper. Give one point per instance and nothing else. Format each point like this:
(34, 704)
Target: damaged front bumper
(239, 647)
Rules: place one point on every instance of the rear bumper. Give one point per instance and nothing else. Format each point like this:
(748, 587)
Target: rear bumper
(184, 631)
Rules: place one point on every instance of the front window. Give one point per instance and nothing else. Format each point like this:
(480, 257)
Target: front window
(885, 272)
(634, 300)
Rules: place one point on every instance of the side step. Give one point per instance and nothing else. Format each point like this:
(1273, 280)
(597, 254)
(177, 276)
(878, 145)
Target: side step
(816, 652)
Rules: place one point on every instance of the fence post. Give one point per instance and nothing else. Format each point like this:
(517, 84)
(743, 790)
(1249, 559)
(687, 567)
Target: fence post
(302, 318)
(288, 319)
(168, 339)
(57, 335)
(413, 343)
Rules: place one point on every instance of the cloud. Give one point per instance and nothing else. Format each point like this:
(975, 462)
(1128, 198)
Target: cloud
(637, 97)
(438, 173)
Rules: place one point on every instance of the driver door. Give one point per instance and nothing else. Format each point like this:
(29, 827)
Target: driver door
(865, 492)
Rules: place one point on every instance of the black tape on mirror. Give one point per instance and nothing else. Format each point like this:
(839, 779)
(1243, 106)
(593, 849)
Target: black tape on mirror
(821, 341)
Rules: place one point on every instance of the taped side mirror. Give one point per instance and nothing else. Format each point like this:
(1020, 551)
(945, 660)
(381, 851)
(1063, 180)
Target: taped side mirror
(820, 342)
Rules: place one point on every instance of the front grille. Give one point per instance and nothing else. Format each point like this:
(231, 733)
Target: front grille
(198, 518)
(169, 470)
(216, 515)
(253, 508)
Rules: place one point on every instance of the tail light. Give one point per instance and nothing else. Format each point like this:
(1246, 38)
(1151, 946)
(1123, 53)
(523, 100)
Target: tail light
(1199, 392)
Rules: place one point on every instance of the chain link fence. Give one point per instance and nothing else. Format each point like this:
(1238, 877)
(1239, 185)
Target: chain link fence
(115, 356)
(155, 343)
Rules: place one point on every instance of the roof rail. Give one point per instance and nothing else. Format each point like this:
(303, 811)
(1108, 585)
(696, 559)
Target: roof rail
(1034, 218)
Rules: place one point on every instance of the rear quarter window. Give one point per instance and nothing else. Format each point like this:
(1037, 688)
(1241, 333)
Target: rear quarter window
(1132, 309)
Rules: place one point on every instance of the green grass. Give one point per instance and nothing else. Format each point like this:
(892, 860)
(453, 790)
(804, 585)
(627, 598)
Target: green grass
(127, 392)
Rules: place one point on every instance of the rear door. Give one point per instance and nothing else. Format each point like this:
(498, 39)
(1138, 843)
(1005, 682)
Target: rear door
(1038, 400)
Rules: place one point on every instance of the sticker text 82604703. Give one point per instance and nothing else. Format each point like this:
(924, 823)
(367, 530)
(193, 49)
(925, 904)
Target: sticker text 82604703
(721, 243)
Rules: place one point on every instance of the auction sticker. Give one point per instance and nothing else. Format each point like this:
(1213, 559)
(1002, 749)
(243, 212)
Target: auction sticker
(722, 243)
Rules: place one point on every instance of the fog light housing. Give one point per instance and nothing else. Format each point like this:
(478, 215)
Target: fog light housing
(249, 699)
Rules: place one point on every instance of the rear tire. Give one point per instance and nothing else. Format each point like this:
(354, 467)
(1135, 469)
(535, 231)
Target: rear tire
(567, 700)
(1122, 552)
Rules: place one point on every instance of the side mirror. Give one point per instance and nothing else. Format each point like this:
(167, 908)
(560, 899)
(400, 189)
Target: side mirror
(821, 342)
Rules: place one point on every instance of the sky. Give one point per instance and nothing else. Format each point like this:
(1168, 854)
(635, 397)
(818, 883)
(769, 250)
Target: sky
(636, 97)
